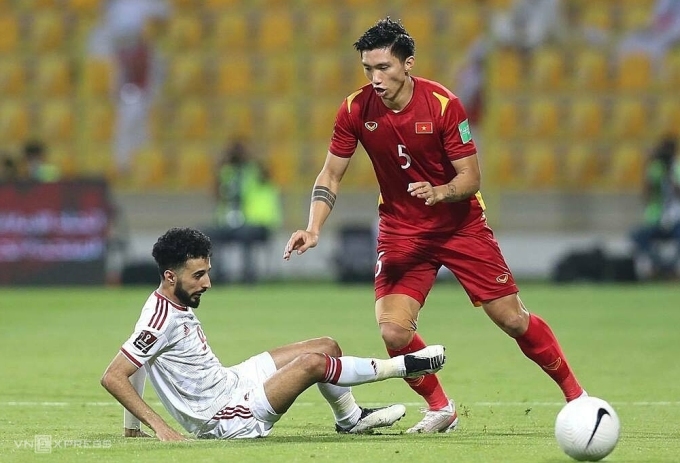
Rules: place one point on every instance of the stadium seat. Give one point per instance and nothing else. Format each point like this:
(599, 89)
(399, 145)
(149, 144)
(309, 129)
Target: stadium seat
(52, 77)
(9, 39)
(281, 120)
(97, 74)
(232, 33)
(322, 114)
(191, 120)
(360, 19)
(12, 77)
(581, 167)
(85, 8)
(279, 74)
(195, 167)
(539, 168)
(505, 70)
(591, 70)
(634, 16)
(585, 118)
(236, 118)
(96, 120)
(235, 75)
(504, 119)
(547, 69)
(500, 164)
(14, 121)
(544, 117)
(185, 32)
(63, 156)
(624, 169)
(629, 119)
(55, 121)
(634, 72)
(149, 168)
(421, 25)
(669, 77)
(47, 32)
(463, 24)
(326, 76)
(323, 27)
(598, 15)
(667, 115)
(283, 160)
(275, 30)
(187, 75)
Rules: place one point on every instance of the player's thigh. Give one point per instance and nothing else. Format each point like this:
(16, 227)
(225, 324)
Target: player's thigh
(286, 354)
(476, 260)
(404, 268)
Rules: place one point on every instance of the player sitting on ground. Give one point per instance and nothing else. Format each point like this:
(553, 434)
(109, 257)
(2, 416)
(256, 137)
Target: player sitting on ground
(245, 400)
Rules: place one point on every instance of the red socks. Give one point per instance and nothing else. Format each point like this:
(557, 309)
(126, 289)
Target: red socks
(540, 345)
(427, 386)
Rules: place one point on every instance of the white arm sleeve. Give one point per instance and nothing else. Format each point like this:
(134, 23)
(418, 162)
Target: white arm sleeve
(138, 379)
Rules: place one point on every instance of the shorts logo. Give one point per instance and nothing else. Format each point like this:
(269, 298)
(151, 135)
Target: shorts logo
(145, 341)
(370, 125)
(502, 278)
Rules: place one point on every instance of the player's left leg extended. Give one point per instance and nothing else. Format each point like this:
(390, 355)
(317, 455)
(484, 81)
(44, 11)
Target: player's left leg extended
(535, 339)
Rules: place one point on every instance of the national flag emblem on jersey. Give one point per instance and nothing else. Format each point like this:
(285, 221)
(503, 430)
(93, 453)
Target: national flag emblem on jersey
(423, 127)
(464, 129)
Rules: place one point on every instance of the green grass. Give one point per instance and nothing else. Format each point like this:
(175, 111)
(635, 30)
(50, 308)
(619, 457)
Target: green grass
(622, 342)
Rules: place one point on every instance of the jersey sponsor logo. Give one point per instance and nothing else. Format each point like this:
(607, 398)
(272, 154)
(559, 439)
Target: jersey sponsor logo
(371, 125)
(503, 278)
(424, 127)
(145, 341)
(464, 129)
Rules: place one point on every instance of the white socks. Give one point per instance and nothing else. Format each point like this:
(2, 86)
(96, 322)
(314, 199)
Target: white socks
(350, 371)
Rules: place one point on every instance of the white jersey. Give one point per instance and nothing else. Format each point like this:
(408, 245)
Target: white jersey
(189, 379)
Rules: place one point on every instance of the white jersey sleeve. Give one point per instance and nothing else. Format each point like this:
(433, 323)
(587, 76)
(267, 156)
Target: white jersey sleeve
(149, 337)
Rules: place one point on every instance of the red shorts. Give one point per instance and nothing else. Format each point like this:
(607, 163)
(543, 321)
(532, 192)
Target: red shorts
(409, 265)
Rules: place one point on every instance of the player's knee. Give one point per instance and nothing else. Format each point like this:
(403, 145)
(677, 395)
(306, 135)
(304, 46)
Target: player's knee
(311, 365)
(394, 336)
(330, 346)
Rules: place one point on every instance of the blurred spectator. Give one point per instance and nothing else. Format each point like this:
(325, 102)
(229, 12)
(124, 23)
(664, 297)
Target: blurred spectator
(35, 166)
(662, 33)
(661, 220)
(127, 35)
(248, 209)
(9, 170)
(524, 26)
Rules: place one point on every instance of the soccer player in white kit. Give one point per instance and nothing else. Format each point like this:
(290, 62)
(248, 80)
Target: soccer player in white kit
(243, 401)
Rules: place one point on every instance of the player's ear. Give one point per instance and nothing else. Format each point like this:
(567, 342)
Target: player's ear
(170, 276)
(408, 64)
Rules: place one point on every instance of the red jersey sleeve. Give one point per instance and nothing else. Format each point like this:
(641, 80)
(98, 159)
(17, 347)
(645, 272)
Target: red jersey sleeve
(345, 139)
(458, 142)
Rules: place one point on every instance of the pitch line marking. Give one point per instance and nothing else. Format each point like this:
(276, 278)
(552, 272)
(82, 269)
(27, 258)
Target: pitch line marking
(369, 404)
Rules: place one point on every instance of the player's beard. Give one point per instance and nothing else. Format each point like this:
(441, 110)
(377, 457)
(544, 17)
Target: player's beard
(185, 298)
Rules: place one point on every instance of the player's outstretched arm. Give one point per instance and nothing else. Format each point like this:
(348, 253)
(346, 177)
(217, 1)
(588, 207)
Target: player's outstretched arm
(324, 193)
(116, 380)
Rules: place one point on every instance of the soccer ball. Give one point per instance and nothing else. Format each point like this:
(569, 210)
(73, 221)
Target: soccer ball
(587, 429)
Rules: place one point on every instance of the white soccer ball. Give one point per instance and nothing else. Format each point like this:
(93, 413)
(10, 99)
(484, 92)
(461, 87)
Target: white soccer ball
(587, 429)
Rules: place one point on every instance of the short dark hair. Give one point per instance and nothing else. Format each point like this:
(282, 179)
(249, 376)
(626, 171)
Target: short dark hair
(177, 245)
(387, 34)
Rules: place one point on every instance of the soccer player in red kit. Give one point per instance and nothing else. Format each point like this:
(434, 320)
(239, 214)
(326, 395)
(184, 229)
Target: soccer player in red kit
(416, 134)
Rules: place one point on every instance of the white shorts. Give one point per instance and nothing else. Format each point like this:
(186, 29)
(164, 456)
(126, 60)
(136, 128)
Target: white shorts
(247, 412)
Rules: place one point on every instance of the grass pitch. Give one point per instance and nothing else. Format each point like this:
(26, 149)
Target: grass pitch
(622, 341)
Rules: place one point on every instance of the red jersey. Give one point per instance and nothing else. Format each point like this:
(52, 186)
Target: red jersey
(416, 144)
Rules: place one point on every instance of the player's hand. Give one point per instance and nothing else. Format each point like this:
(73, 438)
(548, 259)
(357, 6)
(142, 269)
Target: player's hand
(167, 434)
(135, 433)
(426, 192)
(300, 241)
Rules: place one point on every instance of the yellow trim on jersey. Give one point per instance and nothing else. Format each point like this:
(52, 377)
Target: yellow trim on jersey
(478, 195)
(350, 99)
(443, 100)
(380, 199)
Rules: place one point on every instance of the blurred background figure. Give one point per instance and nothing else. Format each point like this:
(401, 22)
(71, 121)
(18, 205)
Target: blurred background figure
(128, 35)
(661, 221)
(247, 212)
(661, 33)
(9, 171)
(35, 166)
